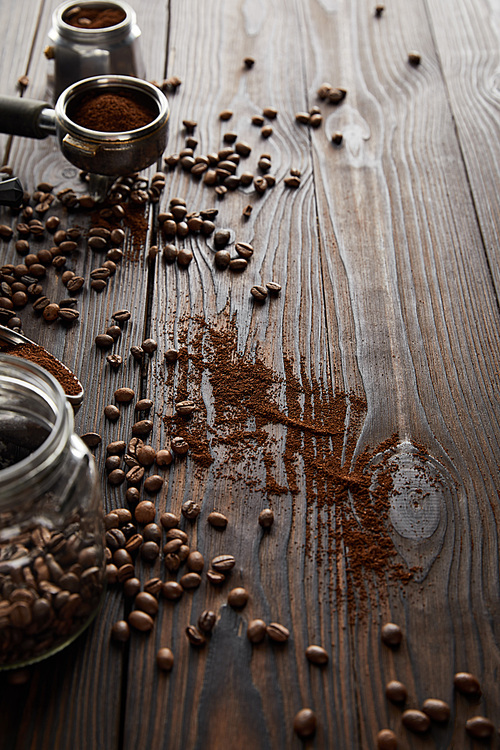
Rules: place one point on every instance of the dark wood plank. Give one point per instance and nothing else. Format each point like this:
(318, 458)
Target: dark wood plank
(78, 694)
(470, 34)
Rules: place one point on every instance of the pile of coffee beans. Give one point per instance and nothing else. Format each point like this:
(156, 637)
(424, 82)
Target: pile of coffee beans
(51, 582)
(419, 720)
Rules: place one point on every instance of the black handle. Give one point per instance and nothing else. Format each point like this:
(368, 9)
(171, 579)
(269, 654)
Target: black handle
(22, 116)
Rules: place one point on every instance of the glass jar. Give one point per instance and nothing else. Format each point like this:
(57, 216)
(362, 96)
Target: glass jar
(85, 52)
(52, 568)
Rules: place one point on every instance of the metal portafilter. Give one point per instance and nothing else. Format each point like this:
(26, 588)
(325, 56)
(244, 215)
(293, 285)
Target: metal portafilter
(103, 154)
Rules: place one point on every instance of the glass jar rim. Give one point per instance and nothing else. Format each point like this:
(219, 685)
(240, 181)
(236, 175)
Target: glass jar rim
(37, 464)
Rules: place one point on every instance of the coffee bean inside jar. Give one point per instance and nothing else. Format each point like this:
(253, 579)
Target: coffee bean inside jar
(51, 527)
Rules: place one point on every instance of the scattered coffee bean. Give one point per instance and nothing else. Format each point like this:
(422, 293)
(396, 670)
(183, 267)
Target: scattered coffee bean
(138, 353)
(237, 597)
(317, 655)
(114, 360)
(149, 346)
(171, 355)
(396, 692)
(415, 721)
(387, 740)
(185, 408)
(145, 512)
(215, 577)
(315, 120)
(153, 483)
(303, 117)
(391, 634)
(116, 448)
(116, 477)
(222, 258)
(146, 603)
(259, 293)
(144, 404)
(436, 709)
(266, 518)
(266, 131)
(146, 455)
(190, 580)
(153, 586)
(247, 211)
(124, 395)
(191, 510)
(135, 474)
(467, 683)
(238, 264)
(91, 439)
(175, 533)
(414, 58)
(249, 62)
(150, 551)
(195, 637)
(223, 563)
(379, 9)
(244, 250)
(277, 632)
(179, 446)
(292, 181)
(142, 428)
(120, 632)
(206, 621)
(273, 287)
(270, 112)
(480, 727)
(165, 659)
(256, 631)
(337, 138)
(172, 590)
(216, 519)
(140, 620)
(304, 723)
(164, 457)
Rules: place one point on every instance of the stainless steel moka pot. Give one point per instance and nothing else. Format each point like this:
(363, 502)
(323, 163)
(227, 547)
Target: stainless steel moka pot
(86, 52)
(103, 154)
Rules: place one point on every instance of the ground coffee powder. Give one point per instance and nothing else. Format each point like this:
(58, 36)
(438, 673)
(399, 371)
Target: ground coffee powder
(112, 112)
(42, 357)
(93, 18)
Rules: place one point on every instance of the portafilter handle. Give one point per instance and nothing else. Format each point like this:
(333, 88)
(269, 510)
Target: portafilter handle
(26, 117)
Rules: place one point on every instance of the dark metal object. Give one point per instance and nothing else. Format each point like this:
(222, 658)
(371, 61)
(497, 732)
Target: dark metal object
(11, 191)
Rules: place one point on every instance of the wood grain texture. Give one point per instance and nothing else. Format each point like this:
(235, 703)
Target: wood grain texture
(386, 256)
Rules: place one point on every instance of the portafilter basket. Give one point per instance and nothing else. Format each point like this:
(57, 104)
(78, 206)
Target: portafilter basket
(101, 153)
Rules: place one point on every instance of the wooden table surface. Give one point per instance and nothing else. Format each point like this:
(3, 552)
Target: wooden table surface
(363, 406)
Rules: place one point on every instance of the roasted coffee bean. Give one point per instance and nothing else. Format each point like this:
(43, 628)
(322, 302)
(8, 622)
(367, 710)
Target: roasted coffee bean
(387, 740)
(122, 557)
(146, 455)
(120, 632)
(302, 117)
(208, 227)
(273, 287)
(304, 723)
(292, 181)
(185, 408)
(195, 561)
(172, 561)
(111, 520)
(266, 518)
(217, 520)
(172, 546)
(117, 237)
(142, 428)
(172, 590)
(75, 283)
(277, 632)
(221, 238)
(152, 533)
(132, 495)
(111, 412)
(191, 509)
(257, 120)
(237, 597)
(195, 637)
(259, 293)
(190, 580)
(222, 258)
(125, 572)
(147, 603)
(223, 563)
(153, 483)
(337, 138)
(116, 448)
(149, 346)
(480, 727)
(256, 631)
(51, 312)
(6, 232)
(112, 463)
(238, 264)
(171, 355)
(111, 573)
(414, 58)
(184, 257)
(215, 577)
(121, 316)
(436, 709)
(115, 539)
(138, 353)
(244, 250)
(150, 551)
(91, 439)
(175, 533)
(169, 520)
(165, 659)
(396, 692)
(266, 131)
(467, 683)
(114, 360)
(123, 514)
(145, 512)
(114, 331)
(415, 721)
(153, 586)
(183, 552)
(144, 404)
(135, 474)
(134, 543)
(103, 341)
(68, 315)
(317, 655)
(247, 211)
(391, 634)
(179, 446)
(140, 620)
(315, 120)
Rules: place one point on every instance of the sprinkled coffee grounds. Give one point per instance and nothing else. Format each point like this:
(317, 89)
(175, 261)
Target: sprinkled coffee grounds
(93, 18)
(40, 356)
(111, 112)
(245, 395)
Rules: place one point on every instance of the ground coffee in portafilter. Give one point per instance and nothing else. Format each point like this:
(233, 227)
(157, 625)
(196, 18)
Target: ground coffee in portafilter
(93, 18)
(112, 111)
